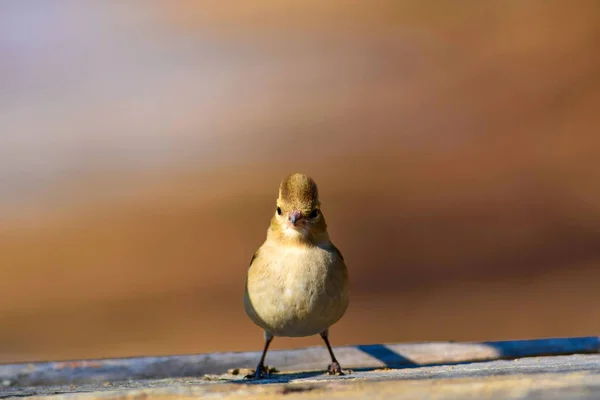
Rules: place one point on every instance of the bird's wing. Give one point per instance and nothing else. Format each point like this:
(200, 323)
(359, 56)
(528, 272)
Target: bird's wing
(253, 258)
(337, 251)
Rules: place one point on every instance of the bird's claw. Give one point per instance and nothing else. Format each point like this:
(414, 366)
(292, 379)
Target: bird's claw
(259, 373)
(334, 369)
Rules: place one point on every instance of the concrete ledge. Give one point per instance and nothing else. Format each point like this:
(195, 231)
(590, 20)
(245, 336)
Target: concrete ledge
(543, 386)
(187, 376)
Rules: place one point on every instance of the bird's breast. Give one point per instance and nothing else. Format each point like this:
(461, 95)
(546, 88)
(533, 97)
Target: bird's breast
(295, 291)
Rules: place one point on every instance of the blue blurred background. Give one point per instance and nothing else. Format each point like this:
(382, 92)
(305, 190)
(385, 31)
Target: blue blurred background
(141, 145)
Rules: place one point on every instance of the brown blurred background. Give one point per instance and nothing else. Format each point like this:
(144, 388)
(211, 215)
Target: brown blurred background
(456, 145)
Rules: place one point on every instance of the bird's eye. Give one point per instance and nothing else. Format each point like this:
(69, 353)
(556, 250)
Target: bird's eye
(314, 213)
(278, 210)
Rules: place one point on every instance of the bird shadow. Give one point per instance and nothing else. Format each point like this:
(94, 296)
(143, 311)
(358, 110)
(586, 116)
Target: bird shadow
(388, 357)
(281, 377)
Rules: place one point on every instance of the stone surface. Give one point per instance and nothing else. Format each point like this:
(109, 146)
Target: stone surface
(467, 376)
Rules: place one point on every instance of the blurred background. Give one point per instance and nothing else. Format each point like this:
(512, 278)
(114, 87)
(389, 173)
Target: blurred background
(456, 146)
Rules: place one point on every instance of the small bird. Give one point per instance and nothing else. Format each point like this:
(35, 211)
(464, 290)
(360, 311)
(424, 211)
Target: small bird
(297, 283)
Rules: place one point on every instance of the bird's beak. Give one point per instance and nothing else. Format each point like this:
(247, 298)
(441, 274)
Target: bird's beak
(295, 216)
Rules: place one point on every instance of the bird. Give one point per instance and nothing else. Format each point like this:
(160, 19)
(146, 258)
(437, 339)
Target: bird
(297, 282)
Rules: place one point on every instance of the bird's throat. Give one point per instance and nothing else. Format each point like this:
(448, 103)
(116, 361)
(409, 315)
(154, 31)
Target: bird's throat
(286, 235)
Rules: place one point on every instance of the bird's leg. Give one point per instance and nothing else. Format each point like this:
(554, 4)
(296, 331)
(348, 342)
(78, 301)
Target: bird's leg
(333, 368)
(261, 371)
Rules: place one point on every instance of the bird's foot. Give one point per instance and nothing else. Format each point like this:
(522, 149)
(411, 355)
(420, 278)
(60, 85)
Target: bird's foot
(334, 369)
(260, 372)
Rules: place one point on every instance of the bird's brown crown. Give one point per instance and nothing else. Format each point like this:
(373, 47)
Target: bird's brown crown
(298, 192)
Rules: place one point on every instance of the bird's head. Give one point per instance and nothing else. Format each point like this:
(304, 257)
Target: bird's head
(298, 213)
